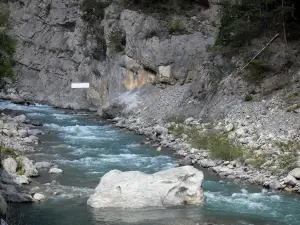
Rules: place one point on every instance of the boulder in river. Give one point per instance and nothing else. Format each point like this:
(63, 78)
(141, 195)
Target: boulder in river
(133, 189)
(42, 165)
(39, 197)
(55, 170)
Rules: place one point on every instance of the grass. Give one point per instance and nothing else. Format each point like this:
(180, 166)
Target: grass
(20, 170)
(218, 145)
(5, 151)
(257, 161)
(289, 158)
(175, 118)
(293, 108)
(176, 26)
(177, 129)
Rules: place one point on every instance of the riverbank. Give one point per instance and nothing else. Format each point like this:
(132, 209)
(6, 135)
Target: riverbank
(18, 137)
(258, 143)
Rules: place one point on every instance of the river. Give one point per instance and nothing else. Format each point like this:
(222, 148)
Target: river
(86, 147)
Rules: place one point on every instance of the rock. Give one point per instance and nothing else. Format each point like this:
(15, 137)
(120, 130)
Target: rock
(36, 123)
(189, 120)
(206, 163)
(187, 160)
(290, 180)
(22, 133)
(21, 179)
(229, 127)
(31, 139)
(55, 170)
(295, 173)
(34, 132)
(20, 118)
(39, 197)
(160, 130)
(28, 167)
(42, 165)
(3, 206)
(10, 165)
(164, 74)
(134, 189)
(274, 184)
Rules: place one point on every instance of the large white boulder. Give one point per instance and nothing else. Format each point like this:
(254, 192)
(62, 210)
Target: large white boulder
(10, 165)
(295, 173)
(133, 189)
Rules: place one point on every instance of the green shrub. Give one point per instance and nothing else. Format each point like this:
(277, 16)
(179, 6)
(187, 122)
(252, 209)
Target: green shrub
(242, 21)
(219, 146)
(176, 27)
(257, 70)
(117, 41)
(93, 10)
(248, 98)
(5, 151)
(289, 158)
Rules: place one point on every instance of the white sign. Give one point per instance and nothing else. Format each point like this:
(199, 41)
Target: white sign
(80, 85)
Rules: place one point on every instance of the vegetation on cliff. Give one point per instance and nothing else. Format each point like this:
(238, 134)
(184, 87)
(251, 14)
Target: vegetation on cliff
(7, 44)
(242, 21)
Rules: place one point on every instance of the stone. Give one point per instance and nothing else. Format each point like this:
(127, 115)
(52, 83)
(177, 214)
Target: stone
(10, 165)
(206, 163)
(274, 184)
(42, 165)
(290, 180)
(134, 189)
(22, 133)
(39, 197)
(55, 170)
(31, 139)
(160, 130)
(28, 167)
(20, 118)
(189, 120)
(229, 127)
(34, 132)
(21, 179)
(187, 160)
(295, 173)
(164, 74)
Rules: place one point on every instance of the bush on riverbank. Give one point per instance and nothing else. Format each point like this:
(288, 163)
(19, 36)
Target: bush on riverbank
(219, 145)
(289, 154)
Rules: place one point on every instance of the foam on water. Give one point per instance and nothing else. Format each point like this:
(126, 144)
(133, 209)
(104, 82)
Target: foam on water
(244, 201)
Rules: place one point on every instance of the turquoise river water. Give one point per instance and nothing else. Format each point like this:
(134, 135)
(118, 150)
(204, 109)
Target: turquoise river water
(86, 147)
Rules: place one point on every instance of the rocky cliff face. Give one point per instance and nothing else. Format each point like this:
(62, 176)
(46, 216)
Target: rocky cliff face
(148, 63)
(55, 47)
